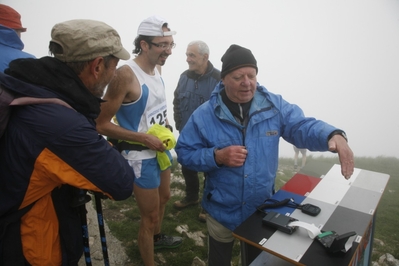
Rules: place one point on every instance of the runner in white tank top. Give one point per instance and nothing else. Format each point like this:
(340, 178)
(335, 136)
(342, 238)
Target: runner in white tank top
(136, 96)
(149, 109)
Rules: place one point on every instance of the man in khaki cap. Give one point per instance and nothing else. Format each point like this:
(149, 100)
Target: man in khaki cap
(11, 45)
(51, 153)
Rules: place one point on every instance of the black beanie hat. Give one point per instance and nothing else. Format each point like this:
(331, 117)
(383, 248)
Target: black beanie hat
(236, 57)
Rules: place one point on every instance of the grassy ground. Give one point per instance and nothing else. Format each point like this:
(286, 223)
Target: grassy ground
(123, 217)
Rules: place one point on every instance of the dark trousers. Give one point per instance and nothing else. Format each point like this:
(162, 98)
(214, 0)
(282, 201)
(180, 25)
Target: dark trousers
(219, 254)
(192, 183)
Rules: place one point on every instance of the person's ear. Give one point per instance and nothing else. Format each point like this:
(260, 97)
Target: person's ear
(145, 46)
(96, 66)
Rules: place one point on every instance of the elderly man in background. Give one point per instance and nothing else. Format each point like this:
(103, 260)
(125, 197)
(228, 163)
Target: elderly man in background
(193, 89)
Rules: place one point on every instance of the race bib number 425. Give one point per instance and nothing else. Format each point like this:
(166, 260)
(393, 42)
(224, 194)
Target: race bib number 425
(157, 115)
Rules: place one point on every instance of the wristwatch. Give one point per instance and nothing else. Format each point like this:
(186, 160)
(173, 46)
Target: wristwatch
(338, 132)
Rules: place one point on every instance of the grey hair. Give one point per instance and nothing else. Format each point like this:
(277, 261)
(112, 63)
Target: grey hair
(202, 47)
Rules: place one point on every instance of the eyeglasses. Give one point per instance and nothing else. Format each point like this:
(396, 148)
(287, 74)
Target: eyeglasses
(164, 46)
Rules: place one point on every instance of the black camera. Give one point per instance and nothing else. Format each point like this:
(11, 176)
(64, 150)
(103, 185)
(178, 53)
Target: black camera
(336, 243)
(280, 222)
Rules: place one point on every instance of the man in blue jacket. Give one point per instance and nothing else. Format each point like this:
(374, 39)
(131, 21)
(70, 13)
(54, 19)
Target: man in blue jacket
(11, 45)
(51, 150)
(193, 89)
(234, 139)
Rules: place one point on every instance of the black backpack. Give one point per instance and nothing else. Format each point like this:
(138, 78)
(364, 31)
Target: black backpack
(10, 223)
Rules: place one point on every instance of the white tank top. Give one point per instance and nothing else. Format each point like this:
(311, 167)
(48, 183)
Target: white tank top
(150, 108)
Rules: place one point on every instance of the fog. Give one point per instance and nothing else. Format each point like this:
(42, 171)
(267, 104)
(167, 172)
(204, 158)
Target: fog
(337, 59)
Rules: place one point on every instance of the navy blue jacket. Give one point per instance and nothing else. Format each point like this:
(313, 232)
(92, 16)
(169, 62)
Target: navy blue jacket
(192, 91)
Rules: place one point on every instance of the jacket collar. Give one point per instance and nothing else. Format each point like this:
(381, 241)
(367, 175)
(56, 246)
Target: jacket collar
(53, 75)
(193, 75)
(9, 37)
(262, 101)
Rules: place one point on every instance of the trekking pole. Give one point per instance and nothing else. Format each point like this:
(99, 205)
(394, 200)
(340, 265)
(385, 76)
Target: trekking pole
(79, 201)
(85, 234)
(100, 219)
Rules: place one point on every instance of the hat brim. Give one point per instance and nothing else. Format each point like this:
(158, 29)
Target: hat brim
(21, 29)
(122, 54)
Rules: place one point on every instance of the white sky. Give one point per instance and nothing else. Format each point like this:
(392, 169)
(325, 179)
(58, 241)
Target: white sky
(337, 59)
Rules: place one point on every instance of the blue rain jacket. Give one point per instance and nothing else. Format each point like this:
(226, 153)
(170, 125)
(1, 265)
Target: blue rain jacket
(10, 47)
(231, 195)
